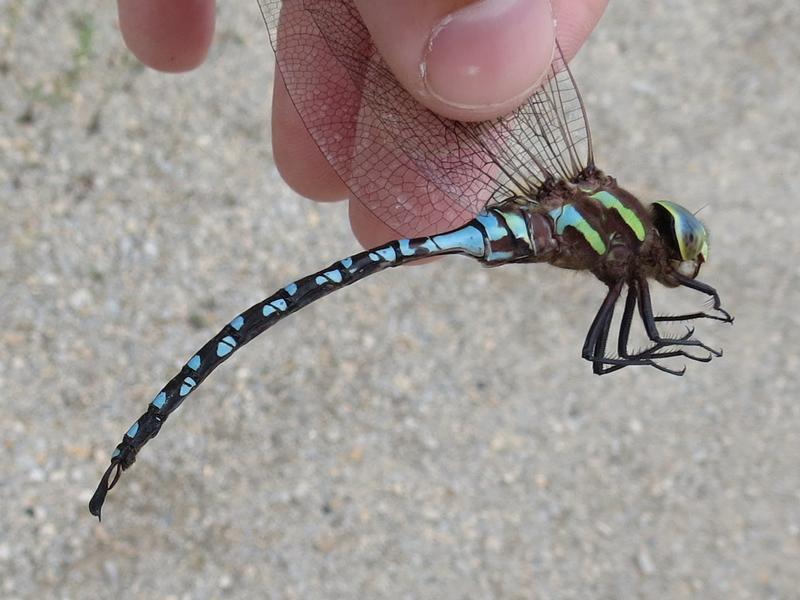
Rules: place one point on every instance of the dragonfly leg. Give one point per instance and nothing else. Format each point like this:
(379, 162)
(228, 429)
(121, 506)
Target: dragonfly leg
(724, 316)
(594, 347)
(654, 351)
(646, 357)
(649, 322)
(595, 343)
(604, 364)
(596, 340)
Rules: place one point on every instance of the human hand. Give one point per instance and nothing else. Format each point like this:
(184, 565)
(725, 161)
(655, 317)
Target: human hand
(480, 59)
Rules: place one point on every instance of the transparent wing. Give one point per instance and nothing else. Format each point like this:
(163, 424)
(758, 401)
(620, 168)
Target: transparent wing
(417, 172)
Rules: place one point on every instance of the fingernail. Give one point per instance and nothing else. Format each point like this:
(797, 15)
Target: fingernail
(489, 53)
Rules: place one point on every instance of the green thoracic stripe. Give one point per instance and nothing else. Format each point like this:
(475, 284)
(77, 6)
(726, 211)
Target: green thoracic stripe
(631, 220)
(568, 216)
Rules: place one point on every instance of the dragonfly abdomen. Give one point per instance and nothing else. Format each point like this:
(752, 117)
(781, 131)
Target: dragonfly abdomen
(490, 237)
(514, 233)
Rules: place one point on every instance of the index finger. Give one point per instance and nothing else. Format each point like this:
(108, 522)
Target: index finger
(169, 36)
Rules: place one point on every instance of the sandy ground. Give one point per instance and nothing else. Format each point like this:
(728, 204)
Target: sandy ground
(431, 433)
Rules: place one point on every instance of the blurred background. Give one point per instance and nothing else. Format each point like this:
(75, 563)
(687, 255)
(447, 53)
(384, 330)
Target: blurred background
(431, 432)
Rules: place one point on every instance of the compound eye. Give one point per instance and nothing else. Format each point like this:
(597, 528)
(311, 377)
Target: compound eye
(684, 231)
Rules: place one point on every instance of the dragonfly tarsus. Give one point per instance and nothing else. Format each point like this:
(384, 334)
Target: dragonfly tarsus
(726, 318)
(704, 288)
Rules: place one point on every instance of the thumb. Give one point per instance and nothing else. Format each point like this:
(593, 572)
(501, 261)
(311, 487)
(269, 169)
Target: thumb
(466, 61)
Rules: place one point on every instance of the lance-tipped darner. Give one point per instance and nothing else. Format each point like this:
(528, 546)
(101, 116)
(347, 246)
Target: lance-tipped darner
(529, 178)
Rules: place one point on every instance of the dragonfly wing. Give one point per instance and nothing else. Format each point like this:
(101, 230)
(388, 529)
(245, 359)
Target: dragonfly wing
(416, 171)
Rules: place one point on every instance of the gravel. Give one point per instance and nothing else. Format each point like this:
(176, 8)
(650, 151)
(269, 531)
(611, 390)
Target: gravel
(430, 433)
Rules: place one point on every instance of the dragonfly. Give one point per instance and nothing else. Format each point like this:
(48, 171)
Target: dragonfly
(529, 178)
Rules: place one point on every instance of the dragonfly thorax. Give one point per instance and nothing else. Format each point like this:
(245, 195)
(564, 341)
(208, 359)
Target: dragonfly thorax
(598, 226)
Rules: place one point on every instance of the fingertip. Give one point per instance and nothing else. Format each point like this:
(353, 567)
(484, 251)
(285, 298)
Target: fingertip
(486, 58)
(169, 36)
(368, 229)
(297, 157)
(575, 20)
(473, 63)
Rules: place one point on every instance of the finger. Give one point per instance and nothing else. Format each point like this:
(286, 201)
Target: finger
(297, 157)
(368, 229)
(467, 61)
(169, 36)
(575, 20)
(371, 231)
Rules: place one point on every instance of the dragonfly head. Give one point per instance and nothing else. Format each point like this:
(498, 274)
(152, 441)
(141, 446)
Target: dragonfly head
(684, 236)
